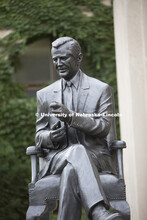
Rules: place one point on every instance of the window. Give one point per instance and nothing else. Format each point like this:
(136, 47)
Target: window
(35, 68)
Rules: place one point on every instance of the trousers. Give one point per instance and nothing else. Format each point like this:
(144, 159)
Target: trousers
(80, 182)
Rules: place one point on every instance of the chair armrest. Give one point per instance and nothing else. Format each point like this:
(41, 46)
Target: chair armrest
(33, 151)
(118, 146)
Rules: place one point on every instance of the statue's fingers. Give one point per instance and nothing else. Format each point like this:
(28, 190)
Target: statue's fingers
(59, 130)
(55, 105)
(57, 124)
(59, 136)
(57, 111)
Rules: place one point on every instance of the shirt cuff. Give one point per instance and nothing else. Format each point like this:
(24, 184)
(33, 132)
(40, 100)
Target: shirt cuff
(45, 140)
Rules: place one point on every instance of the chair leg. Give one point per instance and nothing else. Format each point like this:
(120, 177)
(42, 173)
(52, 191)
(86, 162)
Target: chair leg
(30, 217)
(35, 212)
(41, 212)
(45, 216)
(122, 207)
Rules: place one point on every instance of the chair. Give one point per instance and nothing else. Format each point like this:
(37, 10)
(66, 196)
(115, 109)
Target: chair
(42, 200)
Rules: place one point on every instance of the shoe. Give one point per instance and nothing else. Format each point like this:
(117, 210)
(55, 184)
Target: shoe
(101, 213)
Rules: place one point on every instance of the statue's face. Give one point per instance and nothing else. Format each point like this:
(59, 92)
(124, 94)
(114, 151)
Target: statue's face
(66, 64)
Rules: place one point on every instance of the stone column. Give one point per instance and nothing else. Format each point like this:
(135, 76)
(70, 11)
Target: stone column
(130, 26)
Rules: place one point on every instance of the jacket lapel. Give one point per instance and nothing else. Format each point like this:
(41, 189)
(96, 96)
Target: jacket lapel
(57, 92)
(83, 92)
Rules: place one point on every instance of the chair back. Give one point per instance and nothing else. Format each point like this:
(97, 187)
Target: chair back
(112, 136)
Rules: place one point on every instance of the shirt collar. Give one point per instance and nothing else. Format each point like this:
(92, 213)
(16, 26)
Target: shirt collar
(75, 81)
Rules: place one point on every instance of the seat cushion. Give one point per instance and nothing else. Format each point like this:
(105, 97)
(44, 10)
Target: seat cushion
(48, 188)
(114, 188)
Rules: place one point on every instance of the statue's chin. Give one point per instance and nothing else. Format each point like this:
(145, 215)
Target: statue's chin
(63, 74)
(66, 74)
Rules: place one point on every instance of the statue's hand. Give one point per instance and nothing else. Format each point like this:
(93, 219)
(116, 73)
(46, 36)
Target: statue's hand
(58, 134)
(61, 110)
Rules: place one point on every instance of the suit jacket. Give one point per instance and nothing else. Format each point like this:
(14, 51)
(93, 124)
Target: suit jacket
(94, 99)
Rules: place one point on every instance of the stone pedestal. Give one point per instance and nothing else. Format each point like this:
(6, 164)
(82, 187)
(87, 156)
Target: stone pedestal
(130, 22)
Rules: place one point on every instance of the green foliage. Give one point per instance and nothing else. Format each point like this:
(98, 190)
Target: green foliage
(33, 19)
(28, 21)
(17, 130)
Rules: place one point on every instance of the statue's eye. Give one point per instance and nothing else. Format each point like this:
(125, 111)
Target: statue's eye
(64, 58)
(55, 59)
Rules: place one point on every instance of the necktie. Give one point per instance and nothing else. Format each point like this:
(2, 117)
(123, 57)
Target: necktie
(69, 95)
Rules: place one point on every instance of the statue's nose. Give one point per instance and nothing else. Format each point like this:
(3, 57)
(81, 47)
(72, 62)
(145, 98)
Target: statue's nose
(59, 63)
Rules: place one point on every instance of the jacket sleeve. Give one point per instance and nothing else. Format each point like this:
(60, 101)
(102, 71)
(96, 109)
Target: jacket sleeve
(42, 137)
(99, 124)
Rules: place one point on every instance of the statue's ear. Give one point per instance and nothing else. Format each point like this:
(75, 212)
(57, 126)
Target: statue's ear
(80, 57)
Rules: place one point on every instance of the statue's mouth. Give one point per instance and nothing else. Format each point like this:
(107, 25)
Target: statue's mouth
(62, 70)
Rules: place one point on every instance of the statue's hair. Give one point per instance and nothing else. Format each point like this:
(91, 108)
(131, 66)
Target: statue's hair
(73, 44)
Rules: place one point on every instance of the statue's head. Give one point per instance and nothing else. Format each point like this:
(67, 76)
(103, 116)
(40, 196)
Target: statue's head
(67, 56)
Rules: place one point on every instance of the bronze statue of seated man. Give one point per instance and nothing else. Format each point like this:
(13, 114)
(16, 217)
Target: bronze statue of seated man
(72, 124)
